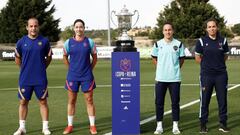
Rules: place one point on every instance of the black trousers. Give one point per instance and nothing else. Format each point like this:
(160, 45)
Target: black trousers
(207, 83)
(160, 92)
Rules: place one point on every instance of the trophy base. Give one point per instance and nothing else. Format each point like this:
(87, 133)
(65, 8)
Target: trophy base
(125, 46)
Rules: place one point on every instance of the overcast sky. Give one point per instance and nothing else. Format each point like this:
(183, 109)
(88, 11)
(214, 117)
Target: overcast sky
(94, 12)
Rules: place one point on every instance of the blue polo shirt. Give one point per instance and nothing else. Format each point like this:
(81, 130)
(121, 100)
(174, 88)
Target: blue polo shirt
(79, 59)
(212, 53)
(168, 55)
(33, 54)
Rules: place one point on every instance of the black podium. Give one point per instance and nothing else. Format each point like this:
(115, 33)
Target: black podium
(125, 46)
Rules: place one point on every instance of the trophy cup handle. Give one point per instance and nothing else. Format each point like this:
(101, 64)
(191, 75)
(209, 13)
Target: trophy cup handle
(137, 17)
(113, 13)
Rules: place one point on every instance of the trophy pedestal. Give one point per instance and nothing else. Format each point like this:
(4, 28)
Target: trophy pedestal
(125, 46)
(125, 93)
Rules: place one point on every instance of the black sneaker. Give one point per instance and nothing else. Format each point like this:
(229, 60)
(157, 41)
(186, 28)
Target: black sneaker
(203, 129)
(224, 128)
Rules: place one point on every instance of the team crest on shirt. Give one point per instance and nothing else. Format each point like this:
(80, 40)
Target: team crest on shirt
(85, 44)
(220, 46)
(22, 90)
(25, 44)
(175, 48)
(125, 65)
(40, 43)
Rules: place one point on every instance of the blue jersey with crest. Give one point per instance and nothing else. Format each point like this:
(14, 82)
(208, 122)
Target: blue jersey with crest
(212, 52)
(79, 59)
(33, 54)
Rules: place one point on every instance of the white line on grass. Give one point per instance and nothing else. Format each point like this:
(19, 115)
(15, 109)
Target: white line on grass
(106, 86)
(181, 107)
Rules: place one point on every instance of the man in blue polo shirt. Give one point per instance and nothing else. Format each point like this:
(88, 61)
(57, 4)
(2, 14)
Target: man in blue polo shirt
(168, 56)
(33, 55)
(212, 52)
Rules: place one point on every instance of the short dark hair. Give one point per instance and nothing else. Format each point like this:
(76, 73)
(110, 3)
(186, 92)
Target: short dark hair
(79, 20)
(32, 18)
(169, 23)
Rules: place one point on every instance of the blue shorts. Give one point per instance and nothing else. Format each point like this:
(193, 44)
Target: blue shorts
(86, 86)
(25, 92)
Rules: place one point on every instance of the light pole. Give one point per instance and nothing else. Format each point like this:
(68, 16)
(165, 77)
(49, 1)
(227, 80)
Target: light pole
(109, 30)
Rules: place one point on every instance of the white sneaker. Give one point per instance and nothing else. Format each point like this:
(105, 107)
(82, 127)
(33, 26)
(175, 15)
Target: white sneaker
(46, 131)
(158, 131)
(20, 131)
(176, 131)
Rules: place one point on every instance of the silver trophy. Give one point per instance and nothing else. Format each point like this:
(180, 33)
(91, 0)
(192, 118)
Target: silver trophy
(124, 18)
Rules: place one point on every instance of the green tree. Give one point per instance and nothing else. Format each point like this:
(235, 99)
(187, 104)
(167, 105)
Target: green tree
(94, 34)
(67, 33)
(14, 16)
(188, 17)
(236, 29)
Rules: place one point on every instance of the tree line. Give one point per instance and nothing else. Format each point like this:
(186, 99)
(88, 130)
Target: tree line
(187, 16)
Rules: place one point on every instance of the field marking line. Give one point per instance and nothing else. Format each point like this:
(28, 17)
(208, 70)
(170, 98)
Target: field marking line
(104, 86)
(181, 107)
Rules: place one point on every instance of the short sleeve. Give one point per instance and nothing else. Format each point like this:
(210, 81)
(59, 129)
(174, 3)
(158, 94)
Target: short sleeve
(225, 46)
(155, 50)
(198, 48)
(48, 50)
(92, 46)
(66, 47)
(18, 49)
(181, 50)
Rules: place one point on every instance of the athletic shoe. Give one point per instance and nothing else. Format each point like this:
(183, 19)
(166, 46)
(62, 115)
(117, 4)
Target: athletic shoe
(203, 129)
(176, 131)
(158, 131)
(20, 131)
(46, 131)
(224, 128)
(93, 130)
(68, 130)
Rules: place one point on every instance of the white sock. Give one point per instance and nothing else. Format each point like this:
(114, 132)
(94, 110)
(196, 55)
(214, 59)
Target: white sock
(70, 120)
(159, 125)
(175, 124)
(45, 125)
(92, 120)
(22, 124)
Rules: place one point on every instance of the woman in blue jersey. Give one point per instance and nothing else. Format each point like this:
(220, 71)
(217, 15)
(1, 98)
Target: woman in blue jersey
(212, 52)
(168, 56)
(77, 53)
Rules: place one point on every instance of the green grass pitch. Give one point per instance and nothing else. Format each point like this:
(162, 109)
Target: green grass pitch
(189, 123)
